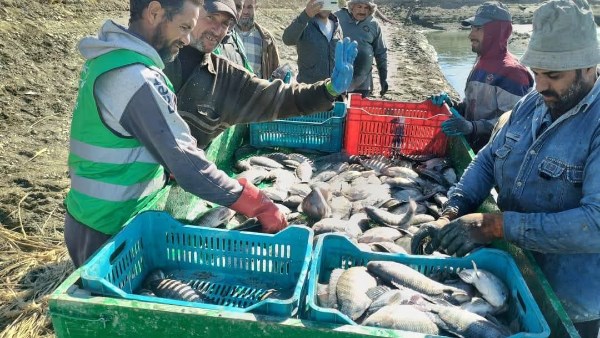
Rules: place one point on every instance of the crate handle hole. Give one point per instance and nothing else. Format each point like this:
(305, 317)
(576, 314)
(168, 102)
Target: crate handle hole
(521, 302)
(116, 253)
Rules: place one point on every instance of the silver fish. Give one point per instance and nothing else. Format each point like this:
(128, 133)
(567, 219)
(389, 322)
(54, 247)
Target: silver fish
(450, 175)
(465, 323)
(279, 157)
(422, 218)
(275, 194)
(340, 207)
(332, 288)
(437, 164)
(291, 164)
(326, 225)
(254, 175)
(402, 182)
(436, 176)
(377, 163)
(402, 317)
(355, 193)
(300, 189)
(338, 187)
(293, 201)
(215, 217)
(323, 295)
(407, 194)
(265, 162)
(339, 167)
(348, 176)
(361, 219)
(283, 179)
(300, 158)
(440, 199)
(304, 171)
(380, 234)
(324, 176)
(352, 290)
(390, 247)
(396, 297)
(400, 172)
(397, 273)
(316, 204)
(492, 289)
(479, 306)
(387, 218)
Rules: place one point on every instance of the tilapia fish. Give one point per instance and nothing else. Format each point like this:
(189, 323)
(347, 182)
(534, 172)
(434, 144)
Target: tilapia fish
(400, 274)
(316, 204)
(351, 291)
(380, 234)
(491, 287)
(466, 324)
(402, 317)
(326, 225)
(215, 217)
(387, 218)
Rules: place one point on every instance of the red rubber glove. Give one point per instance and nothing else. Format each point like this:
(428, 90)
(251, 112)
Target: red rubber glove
(254, 203)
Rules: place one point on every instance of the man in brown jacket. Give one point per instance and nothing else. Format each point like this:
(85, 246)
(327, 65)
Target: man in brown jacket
(259, 44)
(213, 93)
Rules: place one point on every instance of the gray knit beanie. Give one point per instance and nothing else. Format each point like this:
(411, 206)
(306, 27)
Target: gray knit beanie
(371, 4)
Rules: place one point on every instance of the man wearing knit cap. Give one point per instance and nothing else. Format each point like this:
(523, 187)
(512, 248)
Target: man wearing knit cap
(545, 163)
(496, 82)
(358, 24)
(231, 46)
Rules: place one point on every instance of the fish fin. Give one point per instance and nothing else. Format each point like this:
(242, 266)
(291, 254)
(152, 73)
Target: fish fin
(466, 276)
(475, 268)
(374, 292)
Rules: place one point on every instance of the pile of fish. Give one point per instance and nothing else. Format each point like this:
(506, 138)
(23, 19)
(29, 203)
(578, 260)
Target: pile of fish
(207, 288)
(392, 295)
(375, 201)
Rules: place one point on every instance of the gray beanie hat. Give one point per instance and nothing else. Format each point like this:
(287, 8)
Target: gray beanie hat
(225, 6)
(563, 38)
(371, 3)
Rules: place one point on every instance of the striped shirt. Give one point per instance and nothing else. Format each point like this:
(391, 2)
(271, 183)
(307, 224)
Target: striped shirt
(253, 46)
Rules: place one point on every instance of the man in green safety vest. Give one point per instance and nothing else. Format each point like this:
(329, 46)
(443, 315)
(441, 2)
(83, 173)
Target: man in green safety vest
(126, 132)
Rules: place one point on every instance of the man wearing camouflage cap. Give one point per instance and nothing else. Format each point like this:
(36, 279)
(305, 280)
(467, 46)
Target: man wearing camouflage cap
(545, 163)
(496, 82)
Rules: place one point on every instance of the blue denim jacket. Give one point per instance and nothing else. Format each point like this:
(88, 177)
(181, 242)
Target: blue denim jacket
(549, 192)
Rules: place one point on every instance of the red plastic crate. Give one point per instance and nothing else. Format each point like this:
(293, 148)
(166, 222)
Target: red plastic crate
(389, 128)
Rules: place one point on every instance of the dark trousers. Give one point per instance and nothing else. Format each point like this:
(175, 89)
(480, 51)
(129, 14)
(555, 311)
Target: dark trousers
(81, 240)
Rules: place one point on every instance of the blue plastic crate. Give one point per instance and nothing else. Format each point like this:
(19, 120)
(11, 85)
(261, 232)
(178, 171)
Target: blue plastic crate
(335, 251)
(234, 269)
(321, 131)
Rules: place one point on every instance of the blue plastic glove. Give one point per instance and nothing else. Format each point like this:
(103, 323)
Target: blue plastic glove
(457, 125)
(345, 53)
(440, 98)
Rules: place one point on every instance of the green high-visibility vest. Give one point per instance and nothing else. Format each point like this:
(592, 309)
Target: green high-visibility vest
(112, 177)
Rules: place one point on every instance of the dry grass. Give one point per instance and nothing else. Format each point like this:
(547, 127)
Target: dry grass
(31, 267)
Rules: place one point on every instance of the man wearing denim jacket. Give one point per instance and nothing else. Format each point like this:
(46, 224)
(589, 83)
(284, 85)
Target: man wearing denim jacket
(545, 163)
